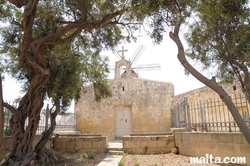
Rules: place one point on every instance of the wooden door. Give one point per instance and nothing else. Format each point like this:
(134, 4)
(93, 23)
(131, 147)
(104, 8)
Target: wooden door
(123, 121)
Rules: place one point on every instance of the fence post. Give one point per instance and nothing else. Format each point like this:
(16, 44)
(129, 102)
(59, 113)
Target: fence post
(178, 115)
(187, 117)
(174, 113)
(185, 113)
(46, 117)
(75, 119)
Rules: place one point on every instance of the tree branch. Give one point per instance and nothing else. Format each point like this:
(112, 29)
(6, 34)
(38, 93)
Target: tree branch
(210, 83)
(17, 23)
(181, 55)
(10, 107)
(56, 38)
(19, 3)
(27, 23)
(83, 10)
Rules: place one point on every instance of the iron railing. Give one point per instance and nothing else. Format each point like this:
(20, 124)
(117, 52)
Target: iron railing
(66, 122)
(209, 115)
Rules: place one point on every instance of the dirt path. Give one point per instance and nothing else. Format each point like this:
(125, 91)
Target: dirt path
(159, 160)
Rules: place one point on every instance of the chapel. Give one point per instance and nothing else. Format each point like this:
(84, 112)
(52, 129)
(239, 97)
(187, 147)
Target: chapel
(138, 106)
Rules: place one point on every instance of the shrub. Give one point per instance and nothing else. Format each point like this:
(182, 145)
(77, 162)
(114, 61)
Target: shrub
(88, 155)
(7, 131)
(91, 155)
(84, 155)
(137, 164)
(121, 163)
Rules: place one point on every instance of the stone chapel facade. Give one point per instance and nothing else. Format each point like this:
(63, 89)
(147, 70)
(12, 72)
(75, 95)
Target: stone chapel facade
(141, 106)
(137, 106)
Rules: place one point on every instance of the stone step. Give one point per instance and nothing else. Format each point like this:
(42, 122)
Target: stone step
(115, 148)
(114, 152)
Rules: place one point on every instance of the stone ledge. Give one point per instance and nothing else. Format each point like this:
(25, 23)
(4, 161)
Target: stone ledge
(79, 135)
(150, 134)
(218, 144)
(153, 144)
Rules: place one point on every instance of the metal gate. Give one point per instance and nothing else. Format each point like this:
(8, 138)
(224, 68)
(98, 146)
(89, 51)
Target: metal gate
(181, 115)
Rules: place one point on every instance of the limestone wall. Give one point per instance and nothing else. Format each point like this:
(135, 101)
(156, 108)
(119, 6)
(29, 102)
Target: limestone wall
(7, 145)
(81, 144)
(150, 103)
(65, 143)
(205, 93)
(218, 144)
(156, 144)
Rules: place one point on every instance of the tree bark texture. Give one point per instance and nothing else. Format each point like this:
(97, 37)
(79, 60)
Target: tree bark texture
(211, 83)
(23, 153)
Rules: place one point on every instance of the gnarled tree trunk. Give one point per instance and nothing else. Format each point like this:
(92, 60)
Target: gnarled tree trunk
(23, 153)
(211, 83)
(1, 112)
(29, 109)
(32, 61)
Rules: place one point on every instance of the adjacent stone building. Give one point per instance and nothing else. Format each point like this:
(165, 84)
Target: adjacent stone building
(138, 106)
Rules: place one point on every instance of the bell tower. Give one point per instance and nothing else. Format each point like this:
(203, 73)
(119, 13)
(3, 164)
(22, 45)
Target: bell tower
(123, 63)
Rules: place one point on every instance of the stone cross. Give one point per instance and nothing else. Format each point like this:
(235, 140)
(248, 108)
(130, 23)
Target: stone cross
(122, 52)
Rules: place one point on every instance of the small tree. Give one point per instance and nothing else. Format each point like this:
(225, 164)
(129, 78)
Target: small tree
(51, 45)
(220, 38)
(212, 83)
(53, 48)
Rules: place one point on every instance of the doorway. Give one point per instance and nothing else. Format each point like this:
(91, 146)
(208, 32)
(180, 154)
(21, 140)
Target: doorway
(123, 120)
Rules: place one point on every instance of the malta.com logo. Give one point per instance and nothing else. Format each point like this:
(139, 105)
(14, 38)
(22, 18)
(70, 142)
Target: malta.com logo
(209, 159)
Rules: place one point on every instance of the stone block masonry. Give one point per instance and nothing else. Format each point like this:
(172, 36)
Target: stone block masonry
(81, 144)
(218, 144)
(7, 145)
(152, 144)
(68, 143)
(149, 102)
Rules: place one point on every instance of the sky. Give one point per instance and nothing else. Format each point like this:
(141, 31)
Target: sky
(165, 54)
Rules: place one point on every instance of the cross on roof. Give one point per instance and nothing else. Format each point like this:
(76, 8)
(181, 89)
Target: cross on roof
(122, 51)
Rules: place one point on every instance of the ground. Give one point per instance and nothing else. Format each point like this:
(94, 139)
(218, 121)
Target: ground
(159, 160)
(78, 159)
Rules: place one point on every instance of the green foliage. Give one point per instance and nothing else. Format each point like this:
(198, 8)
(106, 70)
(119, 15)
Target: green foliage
(220, 36)
(71, 65)
(91, 155)
(78, 61)
(155, 165)
(7, 131)
(7, 116)
(136, 164)
(121, 163)
(160, 15)
(88, 155)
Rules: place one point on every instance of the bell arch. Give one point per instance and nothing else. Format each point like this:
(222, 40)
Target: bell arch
(118, 66)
